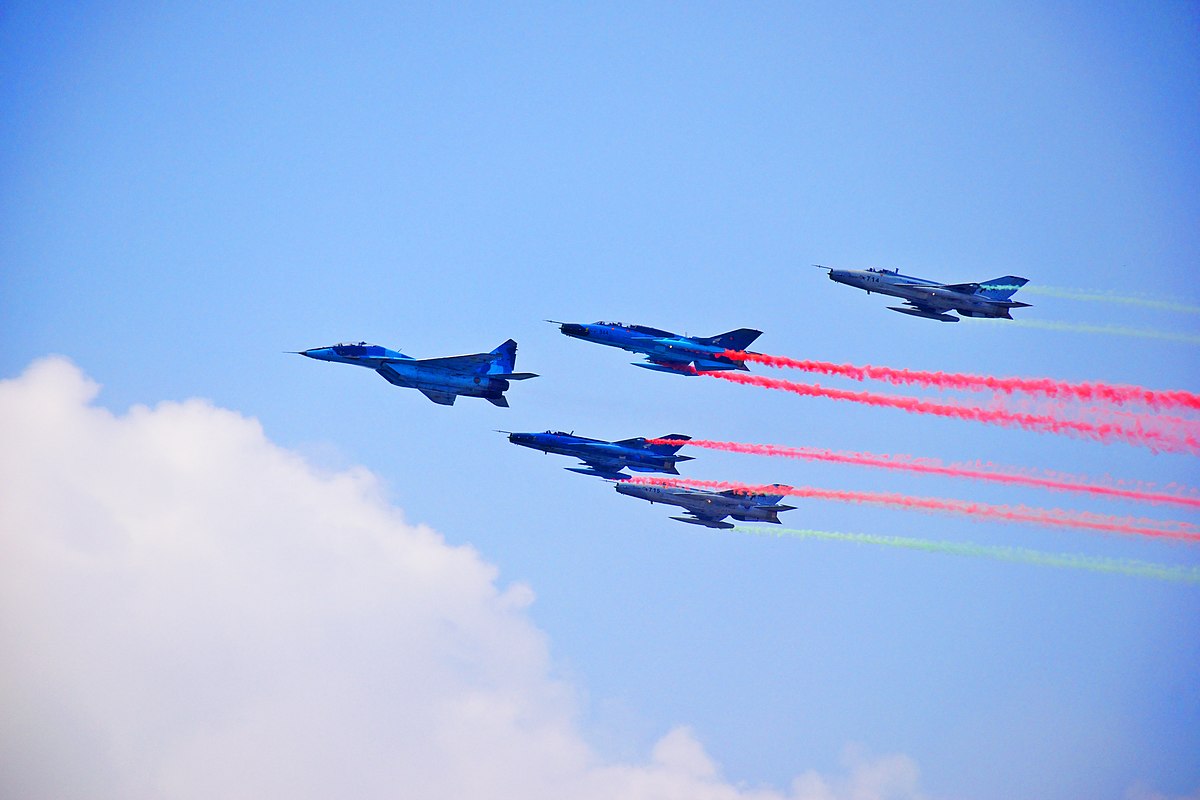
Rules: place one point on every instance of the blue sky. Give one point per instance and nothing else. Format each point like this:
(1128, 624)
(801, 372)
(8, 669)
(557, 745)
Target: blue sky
(189, 192)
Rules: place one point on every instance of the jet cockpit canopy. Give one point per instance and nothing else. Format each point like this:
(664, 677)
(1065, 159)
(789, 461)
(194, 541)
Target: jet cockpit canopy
(357, 350)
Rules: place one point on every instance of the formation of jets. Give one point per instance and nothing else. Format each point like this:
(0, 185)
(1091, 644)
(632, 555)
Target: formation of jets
(489, 376)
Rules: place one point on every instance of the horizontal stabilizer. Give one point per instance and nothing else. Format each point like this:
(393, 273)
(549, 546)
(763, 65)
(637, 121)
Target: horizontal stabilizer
(513, 376)
(498, 400)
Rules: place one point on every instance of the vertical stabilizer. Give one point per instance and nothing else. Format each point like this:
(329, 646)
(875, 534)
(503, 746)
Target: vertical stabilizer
(506, 358)
(739, 339)
(1001, 288)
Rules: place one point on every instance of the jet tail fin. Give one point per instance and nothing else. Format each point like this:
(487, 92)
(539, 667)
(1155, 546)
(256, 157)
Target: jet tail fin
(771, 499)
(498, 400)
(738, 339)
(669, 449)
(1001, 288)
(506, 358)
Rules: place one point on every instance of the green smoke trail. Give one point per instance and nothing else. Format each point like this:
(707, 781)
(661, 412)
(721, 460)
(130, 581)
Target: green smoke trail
(1107, 330)
(1117, 566)
(1096, 295)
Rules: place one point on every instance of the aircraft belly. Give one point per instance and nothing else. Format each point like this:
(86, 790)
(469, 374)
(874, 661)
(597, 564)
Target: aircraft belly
(470, 386)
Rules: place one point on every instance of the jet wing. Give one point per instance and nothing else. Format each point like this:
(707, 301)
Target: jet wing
(961, 288)
(658, 364)
(609, 465)
(613, 474)
(708, 520)
(441, 398)
(703, 365)
(925, 308)
(464, 365)
(916, 309)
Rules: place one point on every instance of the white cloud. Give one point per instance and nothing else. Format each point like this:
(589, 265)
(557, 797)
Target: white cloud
(188, 610)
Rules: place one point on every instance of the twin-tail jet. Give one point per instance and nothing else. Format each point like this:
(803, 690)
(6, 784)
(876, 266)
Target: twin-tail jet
(442, 380)
(607, 459)
(666, 351)
(710, 508)
(933, 300)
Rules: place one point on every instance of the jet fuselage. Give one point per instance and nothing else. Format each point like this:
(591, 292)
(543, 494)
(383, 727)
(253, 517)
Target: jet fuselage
(483, 375)
(934, 300)
(607, 459)
(666, 351)
(709, 508)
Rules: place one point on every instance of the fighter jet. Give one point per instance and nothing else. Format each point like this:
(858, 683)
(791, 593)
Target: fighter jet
(933, 300)
(666, 351)
(442, 380)
(710, 508)
(607, 459)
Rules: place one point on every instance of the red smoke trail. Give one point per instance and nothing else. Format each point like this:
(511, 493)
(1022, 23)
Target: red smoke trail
(929, 466)
(1050, 517)
(1046, 387)
(1136, 433)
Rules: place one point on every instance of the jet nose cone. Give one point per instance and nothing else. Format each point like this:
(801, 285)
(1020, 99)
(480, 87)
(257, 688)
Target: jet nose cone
(573, 329)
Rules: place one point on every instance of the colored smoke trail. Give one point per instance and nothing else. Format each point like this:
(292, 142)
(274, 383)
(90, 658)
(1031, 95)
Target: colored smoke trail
(1104, 330)
(1092, 391)
(928, 466)
(1102, 296)
(1137, 569)
(1050, 517)
(1137, 433)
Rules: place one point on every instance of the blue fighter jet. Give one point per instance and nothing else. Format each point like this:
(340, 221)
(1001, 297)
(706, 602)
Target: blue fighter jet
(933, 300)
(607, 459)
(442, 380)
(710, 508)
(666, 351)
